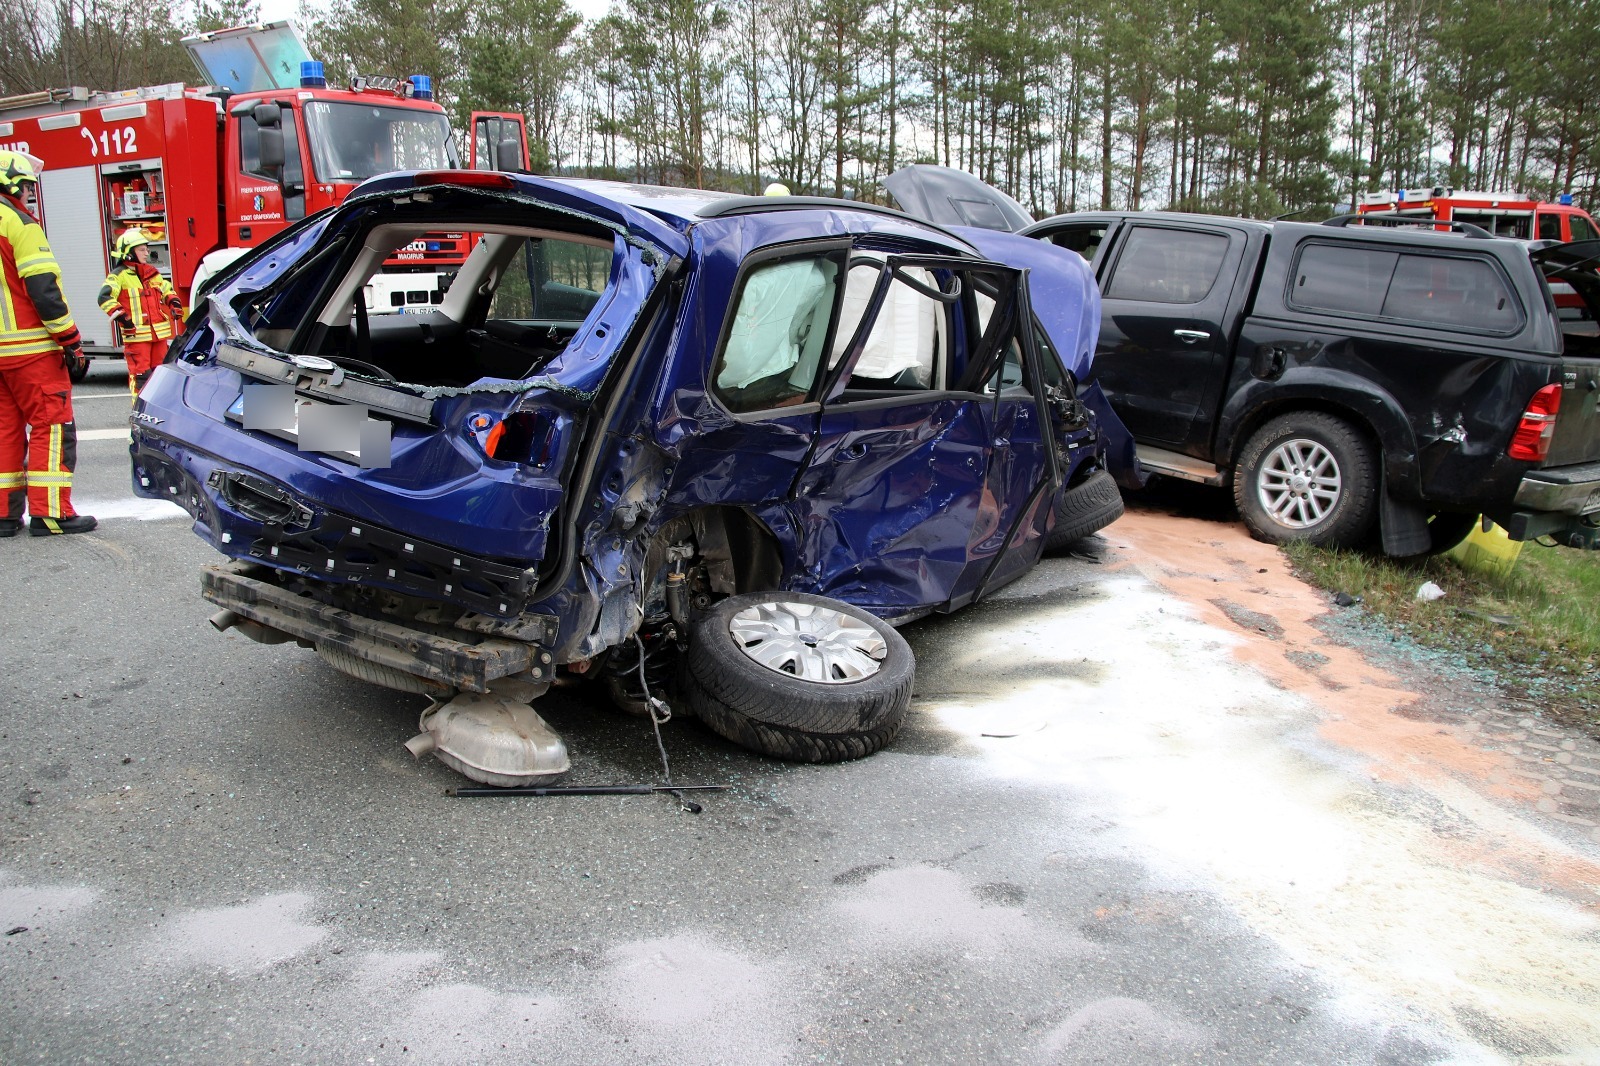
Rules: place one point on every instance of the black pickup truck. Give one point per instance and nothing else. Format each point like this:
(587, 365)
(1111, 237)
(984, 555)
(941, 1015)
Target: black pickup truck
(1342, 375)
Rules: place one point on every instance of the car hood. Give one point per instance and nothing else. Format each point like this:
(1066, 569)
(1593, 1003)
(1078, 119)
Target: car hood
(1061, 288)
(948, 197)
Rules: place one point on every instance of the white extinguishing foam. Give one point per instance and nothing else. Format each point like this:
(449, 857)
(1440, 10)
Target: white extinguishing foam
(129, 507)
(1408, 895)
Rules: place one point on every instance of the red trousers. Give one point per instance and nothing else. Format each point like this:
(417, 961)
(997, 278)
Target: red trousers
(36, 392)
(143, 357)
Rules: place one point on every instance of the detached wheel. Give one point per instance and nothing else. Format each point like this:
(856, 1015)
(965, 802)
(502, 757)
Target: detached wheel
(798, 677)
(1307, 476)
(1084, 509)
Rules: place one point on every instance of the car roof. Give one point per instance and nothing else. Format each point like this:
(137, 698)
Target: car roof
(686, 208)
(1409, 235)
(1258, 225)
(670, 204)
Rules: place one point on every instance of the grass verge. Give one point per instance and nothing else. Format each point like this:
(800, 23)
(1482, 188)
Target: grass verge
(1537, 628)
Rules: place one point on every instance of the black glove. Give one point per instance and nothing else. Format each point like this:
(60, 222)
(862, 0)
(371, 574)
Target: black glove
(124, 320)
(74, 360)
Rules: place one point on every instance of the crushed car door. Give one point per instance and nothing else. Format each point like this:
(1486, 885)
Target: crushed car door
(1018, 493)
(765, 376)
(895, 504)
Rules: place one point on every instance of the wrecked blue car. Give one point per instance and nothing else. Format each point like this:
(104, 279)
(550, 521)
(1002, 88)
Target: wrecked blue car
(672, 442)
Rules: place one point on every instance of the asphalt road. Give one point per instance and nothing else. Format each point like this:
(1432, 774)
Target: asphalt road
(218, 852)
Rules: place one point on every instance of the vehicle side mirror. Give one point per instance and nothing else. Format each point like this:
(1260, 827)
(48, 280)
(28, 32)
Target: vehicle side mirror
(268, 116)
(508, 152)
(272, 149)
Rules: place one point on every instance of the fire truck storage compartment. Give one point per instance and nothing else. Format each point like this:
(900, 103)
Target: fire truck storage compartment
(70, 202)
(134, 196)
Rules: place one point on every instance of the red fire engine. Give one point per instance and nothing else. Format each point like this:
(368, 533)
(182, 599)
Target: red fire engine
(1504, 214)
(209, 172)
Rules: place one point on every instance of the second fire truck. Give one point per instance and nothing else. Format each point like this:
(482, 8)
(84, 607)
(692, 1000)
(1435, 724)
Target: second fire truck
(1504, 214)
(208, 172)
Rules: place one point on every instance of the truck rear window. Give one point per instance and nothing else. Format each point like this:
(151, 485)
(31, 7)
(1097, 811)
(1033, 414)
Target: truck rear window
(1456, 292)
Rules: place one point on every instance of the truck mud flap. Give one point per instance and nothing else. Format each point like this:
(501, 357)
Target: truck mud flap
(454, 663)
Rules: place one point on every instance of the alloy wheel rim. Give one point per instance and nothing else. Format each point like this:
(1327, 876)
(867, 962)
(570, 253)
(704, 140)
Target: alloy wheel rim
(808, 641)
(1299, 484)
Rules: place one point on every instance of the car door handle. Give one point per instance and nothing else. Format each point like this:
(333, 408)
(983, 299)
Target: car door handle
(1191, 336)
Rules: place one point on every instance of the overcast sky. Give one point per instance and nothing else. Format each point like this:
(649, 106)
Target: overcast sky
(273, 10)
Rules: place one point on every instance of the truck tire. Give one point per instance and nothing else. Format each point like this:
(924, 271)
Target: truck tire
(1084, 509)
(1307, 476)
(798, 677)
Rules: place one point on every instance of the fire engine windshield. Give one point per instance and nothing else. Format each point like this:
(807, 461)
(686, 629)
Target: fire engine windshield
(352, 142)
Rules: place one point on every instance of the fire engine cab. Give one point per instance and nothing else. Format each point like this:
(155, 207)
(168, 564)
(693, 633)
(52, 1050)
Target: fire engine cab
(1504, 214)
(208, 173)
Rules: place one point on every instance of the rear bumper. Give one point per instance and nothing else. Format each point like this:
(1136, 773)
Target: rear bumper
(459, 664)
(1563, 502)
(1571, 490)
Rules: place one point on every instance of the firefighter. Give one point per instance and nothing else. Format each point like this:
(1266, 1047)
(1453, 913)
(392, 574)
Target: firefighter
(38, 344)
(142, 302)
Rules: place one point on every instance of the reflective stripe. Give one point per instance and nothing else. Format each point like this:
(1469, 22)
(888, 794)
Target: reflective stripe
(28, 346)
(54, 479)
(12, 479)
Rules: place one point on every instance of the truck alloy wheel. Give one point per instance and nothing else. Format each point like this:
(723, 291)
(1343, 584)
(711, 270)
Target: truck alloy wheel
(798, 676)
(1307, 476)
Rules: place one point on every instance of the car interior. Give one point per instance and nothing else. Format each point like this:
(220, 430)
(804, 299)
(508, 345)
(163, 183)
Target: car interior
(511, 308)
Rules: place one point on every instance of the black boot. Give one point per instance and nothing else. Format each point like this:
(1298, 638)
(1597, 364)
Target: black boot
(44, 527)
(10, 527)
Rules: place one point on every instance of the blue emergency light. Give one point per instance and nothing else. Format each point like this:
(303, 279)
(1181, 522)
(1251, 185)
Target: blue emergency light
(311, 76)
(1565, 199)
(421, 87)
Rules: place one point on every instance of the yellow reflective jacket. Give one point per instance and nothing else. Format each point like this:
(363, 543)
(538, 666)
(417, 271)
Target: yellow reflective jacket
(33, 313)
(125, 296)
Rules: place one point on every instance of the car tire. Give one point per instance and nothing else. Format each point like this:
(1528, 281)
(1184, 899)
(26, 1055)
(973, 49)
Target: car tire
(1084, 509)
(1307, 476)
(743, 676)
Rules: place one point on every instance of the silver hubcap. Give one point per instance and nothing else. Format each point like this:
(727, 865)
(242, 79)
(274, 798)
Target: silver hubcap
(809, 642)
(1299, 484)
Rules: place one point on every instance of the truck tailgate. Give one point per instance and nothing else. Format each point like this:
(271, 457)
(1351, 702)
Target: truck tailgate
(1577, 435)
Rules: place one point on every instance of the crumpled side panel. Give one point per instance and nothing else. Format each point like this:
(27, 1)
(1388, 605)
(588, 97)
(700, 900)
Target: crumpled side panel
(886, 512)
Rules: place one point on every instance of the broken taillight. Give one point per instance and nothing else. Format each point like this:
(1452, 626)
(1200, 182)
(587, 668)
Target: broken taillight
(1531, 441)
(521, 437)
(483, 179)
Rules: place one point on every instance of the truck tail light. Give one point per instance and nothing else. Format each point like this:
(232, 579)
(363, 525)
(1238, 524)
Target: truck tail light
(1531, 441)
